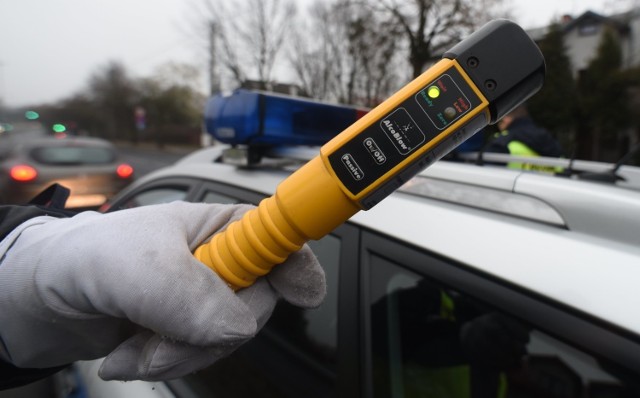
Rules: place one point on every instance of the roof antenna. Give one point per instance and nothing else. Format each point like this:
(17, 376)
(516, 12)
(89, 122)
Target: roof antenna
(611, 176)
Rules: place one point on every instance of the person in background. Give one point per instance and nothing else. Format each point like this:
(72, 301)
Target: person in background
(520, 136)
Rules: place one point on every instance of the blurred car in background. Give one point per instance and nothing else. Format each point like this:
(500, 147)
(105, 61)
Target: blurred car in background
(89, 167)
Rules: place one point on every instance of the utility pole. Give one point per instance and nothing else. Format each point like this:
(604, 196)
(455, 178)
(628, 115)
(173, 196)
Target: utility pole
(214, 78)
(2, 93)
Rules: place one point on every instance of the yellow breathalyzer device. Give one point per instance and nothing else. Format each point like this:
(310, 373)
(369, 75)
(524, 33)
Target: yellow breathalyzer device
(477, 82)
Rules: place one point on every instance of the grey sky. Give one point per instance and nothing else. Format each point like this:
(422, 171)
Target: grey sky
(49, 48)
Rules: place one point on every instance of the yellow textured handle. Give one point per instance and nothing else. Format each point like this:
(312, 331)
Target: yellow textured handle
(266, 235)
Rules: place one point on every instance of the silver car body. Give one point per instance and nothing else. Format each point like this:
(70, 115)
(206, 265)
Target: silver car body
(572, 242)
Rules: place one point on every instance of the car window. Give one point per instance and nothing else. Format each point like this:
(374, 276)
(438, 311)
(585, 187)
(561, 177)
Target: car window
(317, 333)
(431, 340)
(293, 356)
(215, 197)
(72, 155)
(154, 196)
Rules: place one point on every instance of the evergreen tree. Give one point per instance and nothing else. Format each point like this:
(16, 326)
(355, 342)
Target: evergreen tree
(113, 92)
(554, 106)
(604, 102)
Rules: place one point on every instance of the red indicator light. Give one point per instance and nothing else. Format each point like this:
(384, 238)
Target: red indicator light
(23, 173)
(124, 171)
(361, 112)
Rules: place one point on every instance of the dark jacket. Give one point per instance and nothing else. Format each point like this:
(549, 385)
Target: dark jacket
(525, 131)
(10, 217)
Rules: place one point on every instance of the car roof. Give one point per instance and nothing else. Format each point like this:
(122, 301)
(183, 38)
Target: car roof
(583, 251)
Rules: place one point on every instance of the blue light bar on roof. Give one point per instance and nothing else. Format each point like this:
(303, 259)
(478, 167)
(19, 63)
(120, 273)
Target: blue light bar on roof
(267, 119)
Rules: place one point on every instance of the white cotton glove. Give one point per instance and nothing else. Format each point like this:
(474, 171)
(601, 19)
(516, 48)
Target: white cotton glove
(126, 285)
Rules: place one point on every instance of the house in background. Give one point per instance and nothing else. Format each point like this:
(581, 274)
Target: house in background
(582, 36)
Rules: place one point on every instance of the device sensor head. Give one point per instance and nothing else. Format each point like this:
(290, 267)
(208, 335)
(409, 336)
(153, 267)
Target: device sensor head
(496, 57)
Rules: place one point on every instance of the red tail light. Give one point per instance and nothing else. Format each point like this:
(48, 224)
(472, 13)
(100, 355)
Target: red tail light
(23, 173)
(124, 171)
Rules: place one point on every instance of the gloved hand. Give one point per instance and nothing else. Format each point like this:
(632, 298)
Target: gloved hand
(126, 285)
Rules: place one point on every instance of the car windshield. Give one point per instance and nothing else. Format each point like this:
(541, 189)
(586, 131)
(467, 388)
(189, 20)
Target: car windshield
(72, 155)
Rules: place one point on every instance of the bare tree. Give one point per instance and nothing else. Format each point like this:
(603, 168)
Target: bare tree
(315, 57)
(372, 48)
(347, 54)
(433, 25)
(114, 92)
(178, 74)
(250, 36)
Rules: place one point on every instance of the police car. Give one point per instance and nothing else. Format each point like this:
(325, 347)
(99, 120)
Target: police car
(468, 281)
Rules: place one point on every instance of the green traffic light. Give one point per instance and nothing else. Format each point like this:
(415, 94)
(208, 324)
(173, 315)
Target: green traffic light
(31, 115)
(59, 128)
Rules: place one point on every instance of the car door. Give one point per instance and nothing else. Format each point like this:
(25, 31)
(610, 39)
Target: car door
(436, 328)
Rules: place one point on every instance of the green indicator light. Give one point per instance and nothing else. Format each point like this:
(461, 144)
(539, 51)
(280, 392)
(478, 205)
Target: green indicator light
(31, 115)
(433, 92)
(58, 128)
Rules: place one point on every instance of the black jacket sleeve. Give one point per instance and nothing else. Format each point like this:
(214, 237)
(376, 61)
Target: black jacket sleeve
(12, 377)
(10, 217)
